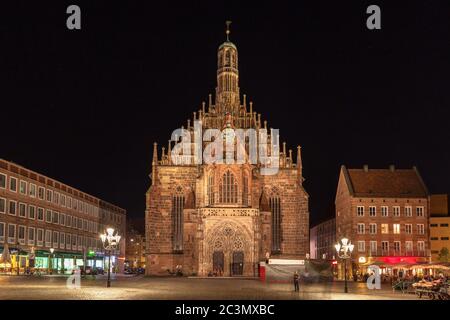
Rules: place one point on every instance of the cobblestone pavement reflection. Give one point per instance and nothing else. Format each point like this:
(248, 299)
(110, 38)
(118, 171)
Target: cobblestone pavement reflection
(139, 287)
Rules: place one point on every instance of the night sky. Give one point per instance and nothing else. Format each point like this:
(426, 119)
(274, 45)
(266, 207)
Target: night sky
(84, 107)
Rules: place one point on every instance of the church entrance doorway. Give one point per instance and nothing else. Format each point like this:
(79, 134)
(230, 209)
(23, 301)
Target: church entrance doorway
(218, 263)
(238, 263)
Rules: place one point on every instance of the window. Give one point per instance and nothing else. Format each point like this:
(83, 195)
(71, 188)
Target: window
(444, 225)
(41, 192)
(40, 237)
(55, 217)
(385, 247)
(48, 238)
(49, 195)
(228, 188)
(68, 221)
(63, 200)
(2, 205)
(361, 228)
(2, 181)
(275, 208)
(177, 220)
(12, 207)
(74, 242)
(31, 236)
(23, 187)
(397, 248)
(55, 239)
(419, 211)
(2, 232)
(22, 210)
(384, 211)
(360, 211)
(56, 197)
(361, 246)
(31, 212)
(396, 228)
(75, 204)
(384, 228)
(373, 248)
(69, 202)
(13, 184)
(372, 211)
(373, 228)
(409, 247)
(68, 241)
(434, 238)
(433, 225)
(62, 219)
(32, 190)
(396, 211)
(408, 211)
(245, 200)
(74, 222)
(12, 233)
(421, 247)
(80, 243)
(421, 229)
(48, 216)
(80, 222)
(62, 240)
(444, 238)
(40, 214)
(408, 228)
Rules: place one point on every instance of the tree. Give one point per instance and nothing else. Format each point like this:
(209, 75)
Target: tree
(444, 255)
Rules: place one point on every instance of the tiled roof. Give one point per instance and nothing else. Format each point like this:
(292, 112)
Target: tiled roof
(390, 183)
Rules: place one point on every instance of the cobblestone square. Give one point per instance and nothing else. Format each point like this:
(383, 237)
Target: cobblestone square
(172, 288)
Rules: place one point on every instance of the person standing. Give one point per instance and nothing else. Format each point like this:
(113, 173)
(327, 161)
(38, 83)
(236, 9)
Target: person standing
(296, 282)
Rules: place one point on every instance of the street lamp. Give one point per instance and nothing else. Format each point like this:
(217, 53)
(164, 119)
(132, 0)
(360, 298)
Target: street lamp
(18, 258)
(110, 242)
(50, 260)
(344, 251)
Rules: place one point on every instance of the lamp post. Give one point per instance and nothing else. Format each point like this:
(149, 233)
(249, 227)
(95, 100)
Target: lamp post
(50, 260)
(110, 242)
(344, 251)
(18, 258)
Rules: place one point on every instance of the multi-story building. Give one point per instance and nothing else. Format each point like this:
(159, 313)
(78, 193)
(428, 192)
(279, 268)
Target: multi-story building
(439, 228)
(384, 213)
(46, 224)
(225, 215)
(322, 240)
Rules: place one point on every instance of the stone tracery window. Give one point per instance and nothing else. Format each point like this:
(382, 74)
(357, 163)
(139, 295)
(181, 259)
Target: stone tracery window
(211, 189)
(245, 200)
(177, 219)
(275, 208)
(228, 189)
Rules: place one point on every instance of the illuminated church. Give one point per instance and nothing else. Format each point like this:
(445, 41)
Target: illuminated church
(224, 218)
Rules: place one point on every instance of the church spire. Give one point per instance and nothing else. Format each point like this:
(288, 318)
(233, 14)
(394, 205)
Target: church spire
(154, 162)
(227, 90)
(299, 163)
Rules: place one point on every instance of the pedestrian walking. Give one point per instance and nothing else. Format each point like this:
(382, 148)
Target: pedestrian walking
(296, 282)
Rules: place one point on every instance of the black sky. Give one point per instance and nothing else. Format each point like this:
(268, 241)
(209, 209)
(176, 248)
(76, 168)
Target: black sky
(84, 107)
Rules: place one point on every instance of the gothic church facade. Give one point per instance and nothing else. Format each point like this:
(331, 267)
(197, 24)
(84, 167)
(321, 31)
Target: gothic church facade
(222, 217)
